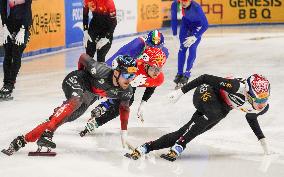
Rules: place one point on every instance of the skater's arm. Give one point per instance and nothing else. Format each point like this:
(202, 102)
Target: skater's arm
(27, 19)
(111, 20)
(229, 85)
(3, 10)
(85, 16)
(253, 122)
(174, 21)
(148, 93)
(133, 49)
(203, 21)
(124, 111)
(166, 51)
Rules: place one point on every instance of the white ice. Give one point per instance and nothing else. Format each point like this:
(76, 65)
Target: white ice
(229, 149)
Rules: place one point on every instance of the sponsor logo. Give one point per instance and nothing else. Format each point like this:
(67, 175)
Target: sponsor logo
(150, 11)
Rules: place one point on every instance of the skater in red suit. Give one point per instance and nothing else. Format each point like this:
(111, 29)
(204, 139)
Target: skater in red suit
(98, 34)
(149, 75)
(82, 88)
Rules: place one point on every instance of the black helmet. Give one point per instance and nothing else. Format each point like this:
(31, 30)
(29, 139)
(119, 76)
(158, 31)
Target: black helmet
(124, 64)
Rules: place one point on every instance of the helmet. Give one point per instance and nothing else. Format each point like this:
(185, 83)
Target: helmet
(154, 57)
(155, 39)
(258, 88)
(124, 64)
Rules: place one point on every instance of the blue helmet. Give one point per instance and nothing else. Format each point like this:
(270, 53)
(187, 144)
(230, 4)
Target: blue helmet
(155, 39)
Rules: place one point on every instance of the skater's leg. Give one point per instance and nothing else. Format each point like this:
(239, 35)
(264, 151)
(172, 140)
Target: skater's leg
(191, 57)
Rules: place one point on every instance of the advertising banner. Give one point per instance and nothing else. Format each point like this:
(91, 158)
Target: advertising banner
(126, 11)
(74, 22)
(236, 11)
(150, 15)
(48, 25)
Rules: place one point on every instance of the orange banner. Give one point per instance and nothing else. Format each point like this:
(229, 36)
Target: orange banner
(243, 11)
(149, 15)
(48, 25)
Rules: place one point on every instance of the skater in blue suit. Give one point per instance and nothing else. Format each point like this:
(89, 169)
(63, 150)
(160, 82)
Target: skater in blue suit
(136, 47)
(193, 24)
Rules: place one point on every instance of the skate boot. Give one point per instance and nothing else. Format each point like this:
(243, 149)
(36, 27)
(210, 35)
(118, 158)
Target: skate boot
(96, 113)
(177, 78)
(90, 127)
(138, 152)
(174, 152)
(15, 145)
(6, 92)
(183, 81)
(46, 141)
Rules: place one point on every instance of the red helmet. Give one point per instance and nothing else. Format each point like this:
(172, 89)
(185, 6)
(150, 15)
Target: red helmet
(154, 57)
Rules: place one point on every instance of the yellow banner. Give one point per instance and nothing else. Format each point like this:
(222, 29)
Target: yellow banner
(243, 11)
(149, 15)
(48, 25)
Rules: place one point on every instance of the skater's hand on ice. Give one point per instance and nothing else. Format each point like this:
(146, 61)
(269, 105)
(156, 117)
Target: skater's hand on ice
(6, 34)
(102, 42)
(123, 135)
(20, 37)
(265, 148)
(141, 111)
(189, 41)
(174, 96)
(86, 38)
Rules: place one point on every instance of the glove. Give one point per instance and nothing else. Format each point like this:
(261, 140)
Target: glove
(264, 146)
(86, 38)
(138, 80)
(102, 42)
(141, 110)
(174, 96)
(189, 41)
(123, 135)
(20, 37)
(6, 34)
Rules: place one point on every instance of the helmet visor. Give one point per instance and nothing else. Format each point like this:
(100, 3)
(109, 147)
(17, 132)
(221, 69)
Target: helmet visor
(128, 76)
(260, 100)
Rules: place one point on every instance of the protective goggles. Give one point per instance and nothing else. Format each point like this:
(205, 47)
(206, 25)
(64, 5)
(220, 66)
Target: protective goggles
(155, 69)
(258, 100)
(128, 75)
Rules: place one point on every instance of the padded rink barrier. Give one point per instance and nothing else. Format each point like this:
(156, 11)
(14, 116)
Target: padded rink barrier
(59, 26)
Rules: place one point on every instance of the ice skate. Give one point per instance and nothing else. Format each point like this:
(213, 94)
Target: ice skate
(90, 127)
(183, 81)
(137, 153)
(44, 141)
(92, 124)
(174, 152)
(177, 78)
(6, 93)
(15, 145)
(170, 156)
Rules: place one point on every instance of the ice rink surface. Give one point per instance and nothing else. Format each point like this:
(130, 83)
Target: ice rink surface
(230, 149)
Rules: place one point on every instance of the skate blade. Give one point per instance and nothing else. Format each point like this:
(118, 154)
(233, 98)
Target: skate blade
(128, 155)
(178, 87)
(166, 157)
(6, 152)
(50, 154)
